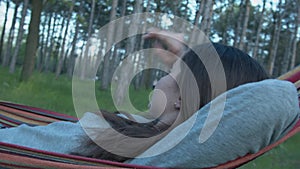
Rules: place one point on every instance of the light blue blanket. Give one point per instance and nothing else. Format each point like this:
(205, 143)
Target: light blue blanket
(255, 115)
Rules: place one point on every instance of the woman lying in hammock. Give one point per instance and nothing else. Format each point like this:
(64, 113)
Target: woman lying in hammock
(216, 105)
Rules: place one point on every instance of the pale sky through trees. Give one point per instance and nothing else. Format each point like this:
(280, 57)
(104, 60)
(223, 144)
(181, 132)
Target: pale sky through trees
(192, 3)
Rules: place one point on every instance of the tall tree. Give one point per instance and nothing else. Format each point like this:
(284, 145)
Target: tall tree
(52, 25)
(72, 57)
(110, 36)
(32, 40)
(207, 17)
(116, 58)
(87, 46)
(278, 15)
(294, 40)
(258, 32)
(19, 38)
(238, 25)
(43, 42)
(199, 12)
(10, 40)
(50, 7)
(286, 56)
(3, 30)
(127, 63)
(59, 40)
(146, 75)
(201, 5)
(245, 25)
(229, 15)
(62, 51)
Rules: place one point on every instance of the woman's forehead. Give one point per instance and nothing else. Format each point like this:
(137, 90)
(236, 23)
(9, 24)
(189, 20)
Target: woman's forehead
(166, 81)
(176, 68)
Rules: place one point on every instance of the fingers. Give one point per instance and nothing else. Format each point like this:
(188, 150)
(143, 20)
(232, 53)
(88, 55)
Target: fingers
(169, 40)
(163, 35)
(165, 40)
(152, 33)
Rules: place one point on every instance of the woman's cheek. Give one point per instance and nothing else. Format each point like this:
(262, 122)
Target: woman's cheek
(158, 103)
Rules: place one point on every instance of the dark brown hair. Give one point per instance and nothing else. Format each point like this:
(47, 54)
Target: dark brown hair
(128, 128)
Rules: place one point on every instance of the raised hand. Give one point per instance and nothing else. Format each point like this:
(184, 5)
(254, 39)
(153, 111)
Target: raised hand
(165, 40)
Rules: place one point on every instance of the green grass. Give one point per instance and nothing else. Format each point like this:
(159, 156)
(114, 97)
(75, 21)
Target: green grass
(45, 91)
(48, 92)
(285, 156)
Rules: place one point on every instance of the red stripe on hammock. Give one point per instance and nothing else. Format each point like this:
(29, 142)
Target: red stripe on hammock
(77, 158)
(16, 161)
(10, 120)
(294, 78)
(40, 111)
(7, 164)
(28, 115)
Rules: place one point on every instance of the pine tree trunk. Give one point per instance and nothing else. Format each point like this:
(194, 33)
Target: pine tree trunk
(8, 50)
(110, 36)
(198, 13)
(229, 16)
(194, 36)
(201, 13)
(206, 20)
(119, 33)
(184, 16)
(262, 54)
(60, 41)
(47, 63)
(41, 55)
(237, 31)
(128, 63)
(73, 56)
(286, 58)
(211, 11)
(3, 30)
(62, 51)
(276, 35)
(294, 46)
(243, 37)
(146, 74)
(32, 40)
(259, 28)
(145, 24)
(45, 48)
(19, 38)
(87, 46)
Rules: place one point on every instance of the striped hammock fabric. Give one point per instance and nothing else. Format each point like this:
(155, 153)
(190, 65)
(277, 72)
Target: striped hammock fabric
(14, 156)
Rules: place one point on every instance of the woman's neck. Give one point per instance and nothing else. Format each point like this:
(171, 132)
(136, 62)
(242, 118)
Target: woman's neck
(168, 119)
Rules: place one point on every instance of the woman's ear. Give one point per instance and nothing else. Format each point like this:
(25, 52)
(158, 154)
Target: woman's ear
(177, 104)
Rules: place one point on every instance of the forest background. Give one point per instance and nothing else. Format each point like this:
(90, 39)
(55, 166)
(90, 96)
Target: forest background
(41, 40)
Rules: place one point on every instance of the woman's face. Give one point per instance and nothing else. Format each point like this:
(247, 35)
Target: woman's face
(165, 97)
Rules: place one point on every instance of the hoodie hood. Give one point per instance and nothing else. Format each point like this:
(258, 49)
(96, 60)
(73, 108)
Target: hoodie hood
(240, 121)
